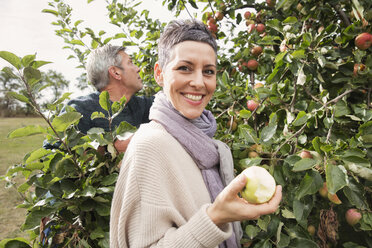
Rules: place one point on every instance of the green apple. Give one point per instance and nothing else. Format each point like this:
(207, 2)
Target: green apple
(260, 186)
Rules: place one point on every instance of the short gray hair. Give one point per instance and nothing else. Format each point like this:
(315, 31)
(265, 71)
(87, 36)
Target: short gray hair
(178, 31)
(98, 63)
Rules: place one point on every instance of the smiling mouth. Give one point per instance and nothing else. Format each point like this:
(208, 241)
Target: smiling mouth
(193, 97)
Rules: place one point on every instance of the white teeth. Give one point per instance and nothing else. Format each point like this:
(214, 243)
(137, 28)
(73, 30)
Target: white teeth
(193, 97)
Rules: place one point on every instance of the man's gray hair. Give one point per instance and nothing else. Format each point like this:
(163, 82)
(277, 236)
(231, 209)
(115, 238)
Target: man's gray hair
(98, 63)
(178, 31)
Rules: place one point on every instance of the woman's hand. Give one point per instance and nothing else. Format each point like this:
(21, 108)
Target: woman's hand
(229, 207)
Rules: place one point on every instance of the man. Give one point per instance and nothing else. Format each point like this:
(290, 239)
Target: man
(110, 68)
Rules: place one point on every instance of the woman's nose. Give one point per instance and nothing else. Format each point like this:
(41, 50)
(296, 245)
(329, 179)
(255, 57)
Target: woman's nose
(197, 80)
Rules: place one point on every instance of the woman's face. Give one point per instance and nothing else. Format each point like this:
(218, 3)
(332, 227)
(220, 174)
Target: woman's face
(189, 78)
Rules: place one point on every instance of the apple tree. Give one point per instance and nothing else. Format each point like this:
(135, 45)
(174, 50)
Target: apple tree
(293, 96)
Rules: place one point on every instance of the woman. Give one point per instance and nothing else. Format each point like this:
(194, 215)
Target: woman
(176, 186)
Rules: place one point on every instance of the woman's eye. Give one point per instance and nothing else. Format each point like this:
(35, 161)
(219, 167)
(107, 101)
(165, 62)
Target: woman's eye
(209, 72)
(183, 68)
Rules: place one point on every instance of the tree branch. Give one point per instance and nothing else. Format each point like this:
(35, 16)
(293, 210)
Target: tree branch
(330, 128)
(342, 14)
(287, 140)
(338, 98)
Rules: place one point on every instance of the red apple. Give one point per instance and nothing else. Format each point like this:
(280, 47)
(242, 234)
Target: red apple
(256, 51)
(252, 64)
(247, 15)
(306, 154)
(213, 28)
(258, 85)
(252, 105)
(260, 28)
(251, 27)
(323, 191)
(219, 16)
(352, 216)
(210, 21)
(363, 41)
(270, 3)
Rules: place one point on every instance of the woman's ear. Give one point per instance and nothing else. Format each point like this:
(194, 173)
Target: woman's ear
(158, 74)
(114, 72)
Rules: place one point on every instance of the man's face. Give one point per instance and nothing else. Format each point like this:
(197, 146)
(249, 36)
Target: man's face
(130, 77)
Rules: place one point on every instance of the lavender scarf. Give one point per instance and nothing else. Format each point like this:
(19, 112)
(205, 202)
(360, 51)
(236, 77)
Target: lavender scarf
(196, 138)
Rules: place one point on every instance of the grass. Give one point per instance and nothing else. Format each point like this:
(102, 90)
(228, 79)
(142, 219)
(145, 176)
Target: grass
(12, 152)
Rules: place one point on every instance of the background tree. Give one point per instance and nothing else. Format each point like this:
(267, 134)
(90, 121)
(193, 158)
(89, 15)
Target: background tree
(9, 82)
(293, 96)
(56, 83)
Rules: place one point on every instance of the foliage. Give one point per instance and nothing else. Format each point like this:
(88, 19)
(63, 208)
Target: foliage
(10, 84)
(316, 96)
(70, 187)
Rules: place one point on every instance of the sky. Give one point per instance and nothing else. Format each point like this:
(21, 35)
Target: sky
(25, 30)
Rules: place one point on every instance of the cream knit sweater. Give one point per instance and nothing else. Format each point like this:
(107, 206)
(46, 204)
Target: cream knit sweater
(160, 199)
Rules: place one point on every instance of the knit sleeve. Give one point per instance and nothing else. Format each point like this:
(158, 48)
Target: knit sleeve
(148, 211)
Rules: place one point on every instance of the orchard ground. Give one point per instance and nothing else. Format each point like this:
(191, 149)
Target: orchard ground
(12, 151)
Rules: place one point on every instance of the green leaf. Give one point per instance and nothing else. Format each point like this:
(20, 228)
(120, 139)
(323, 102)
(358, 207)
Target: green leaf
(336, 177)
(96, 115)
(304, 243)
(89, 191)
(304, 164)
(27, 131)
(301, 119)
(97, 233)
(50, 11)
(290, 20)
(19, 97)
(77, 42)
(299, 54)
(62, 122)
(37, 154)
(110, 179)
(37, 64)
(252, 231)
(288, 214)
(316, 145)
(309, 185)
(268, 132)
(78, 22)
(360, 171)
(341, 109)
(248, 134)
(103, 209)
(62, 98)
(14, 243)
(355, 196)
(263, 222)
(31, 75)
(247, 162)
(104, 100)
(33, 218)
(34, 166)
(11, 58)
(27, 60)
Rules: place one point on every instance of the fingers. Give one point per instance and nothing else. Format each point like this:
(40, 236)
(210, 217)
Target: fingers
(236, 185)
(273, 204)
